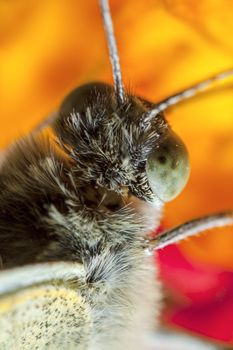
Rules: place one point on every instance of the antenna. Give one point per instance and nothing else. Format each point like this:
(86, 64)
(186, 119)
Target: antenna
(189, 229)
(112, 47)
(187, 93)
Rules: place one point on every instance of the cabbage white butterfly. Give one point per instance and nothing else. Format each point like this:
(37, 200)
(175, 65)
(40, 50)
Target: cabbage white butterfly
(75, 216)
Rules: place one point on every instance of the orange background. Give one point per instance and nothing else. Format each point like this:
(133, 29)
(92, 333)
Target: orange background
(48, 47)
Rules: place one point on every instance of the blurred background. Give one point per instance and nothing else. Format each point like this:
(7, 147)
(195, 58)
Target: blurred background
(48, 47)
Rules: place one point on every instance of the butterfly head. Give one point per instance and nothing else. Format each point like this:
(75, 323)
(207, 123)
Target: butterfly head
(118, 148)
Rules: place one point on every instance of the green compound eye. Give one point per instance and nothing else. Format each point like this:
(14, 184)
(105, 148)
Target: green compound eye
(168, 168)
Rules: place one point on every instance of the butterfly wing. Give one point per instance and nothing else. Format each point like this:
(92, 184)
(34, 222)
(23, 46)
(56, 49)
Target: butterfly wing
(41, 307)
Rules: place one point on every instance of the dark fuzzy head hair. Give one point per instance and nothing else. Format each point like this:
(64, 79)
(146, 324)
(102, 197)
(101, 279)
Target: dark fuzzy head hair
(109, 143)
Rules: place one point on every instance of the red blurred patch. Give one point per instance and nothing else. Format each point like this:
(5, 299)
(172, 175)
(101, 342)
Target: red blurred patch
(202, 297)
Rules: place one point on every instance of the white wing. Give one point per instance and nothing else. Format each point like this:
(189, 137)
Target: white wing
(21, 277)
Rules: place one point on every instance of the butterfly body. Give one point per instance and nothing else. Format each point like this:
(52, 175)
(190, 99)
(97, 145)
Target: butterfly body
(81, 210)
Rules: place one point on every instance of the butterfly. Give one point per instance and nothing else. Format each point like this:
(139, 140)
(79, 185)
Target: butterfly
(76, 210)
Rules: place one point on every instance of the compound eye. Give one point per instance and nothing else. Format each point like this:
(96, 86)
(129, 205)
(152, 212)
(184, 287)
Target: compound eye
(168, 168)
